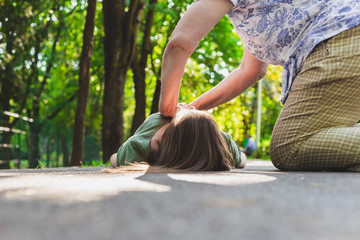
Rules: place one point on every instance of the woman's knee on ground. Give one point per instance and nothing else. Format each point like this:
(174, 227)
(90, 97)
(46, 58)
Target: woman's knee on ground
(279, 153)
(284, 149)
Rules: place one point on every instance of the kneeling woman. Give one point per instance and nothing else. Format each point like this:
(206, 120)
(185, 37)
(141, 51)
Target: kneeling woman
(190, 141)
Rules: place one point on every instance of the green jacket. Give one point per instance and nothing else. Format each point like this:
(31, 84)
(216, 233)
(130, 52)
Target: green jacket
(137, 147)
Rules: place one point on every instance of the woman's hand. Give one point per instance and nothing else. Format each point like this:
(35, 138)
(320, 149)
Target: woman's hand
(184, 106)
(181, 106)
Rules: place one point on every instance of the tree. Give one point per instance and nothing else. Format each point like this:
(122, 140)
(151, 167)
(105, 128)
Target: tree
(23, 45)
(138, 67)
(84, 82)
(121, 24)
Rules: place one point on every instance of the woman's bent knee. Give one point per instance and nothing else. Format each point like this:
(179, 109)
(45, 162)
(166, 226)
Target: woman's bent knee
(282, 154)
(277, 154)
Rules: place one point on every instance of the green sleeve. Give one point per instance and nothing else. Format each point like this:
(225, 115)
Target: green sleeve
(234, 149)
(137, 147)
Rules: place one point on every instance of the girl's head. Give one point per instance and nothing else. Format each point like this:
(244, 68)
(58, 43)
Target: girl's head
(193, 142)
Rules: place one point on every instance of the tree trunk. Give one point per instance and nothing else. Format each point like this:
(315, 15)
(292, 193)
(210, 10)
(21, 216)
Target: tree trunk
(156, 97)
(84, 82)
(5, 150)
(57, 152)
(138, 67)
(7, 89)
(48, 152)
(65, 150)
(112, 123)
(34, 151)
(5, 122)
(140, 98)
(35, 129)
(121, 30)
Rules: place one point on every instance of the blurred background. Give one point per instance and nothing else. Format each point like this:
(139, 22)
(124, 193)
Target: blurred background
(78, 77)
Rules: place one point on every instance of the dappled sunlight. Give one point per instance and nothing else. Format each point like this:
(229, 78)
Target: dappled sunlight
(73, 185)
(222, 179)
(72, 188)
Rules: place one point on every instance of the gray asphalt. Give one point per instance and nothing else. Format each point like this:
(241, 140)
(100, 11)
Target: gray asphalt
(258, 202)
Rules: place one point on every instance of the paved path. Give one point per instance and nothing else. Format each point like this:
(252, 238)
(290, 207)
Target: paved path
(258, 202)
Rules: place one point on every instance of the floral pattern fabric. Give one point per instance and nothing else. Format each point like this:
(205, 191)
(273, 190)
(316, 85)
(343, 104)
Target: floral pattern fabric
(283, 32)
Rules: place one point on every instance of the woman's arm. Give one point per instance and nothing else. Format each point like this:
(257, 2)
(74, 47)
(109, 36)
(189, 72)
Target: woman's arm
(250, 71)
(194, 25)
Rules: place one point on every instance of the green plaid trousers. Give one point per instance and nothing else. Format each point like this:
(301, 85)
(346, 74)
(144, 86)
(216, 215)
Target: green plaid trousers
(317, 128)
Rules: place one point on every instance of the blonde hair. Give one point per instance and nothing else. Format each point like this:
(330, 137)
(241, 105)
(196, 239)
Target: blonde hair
(193, 142)
(140, 167)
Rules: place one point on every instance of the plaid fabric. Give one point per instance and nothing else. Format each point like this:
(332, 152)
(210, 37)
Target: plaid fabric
(317, 129)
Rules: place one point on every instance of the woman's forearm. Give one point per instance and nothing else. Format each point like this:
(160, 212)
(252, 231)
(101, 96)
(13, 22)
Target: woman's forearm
(173, 65)
(197, 21)
(232, 86)
(250, 71)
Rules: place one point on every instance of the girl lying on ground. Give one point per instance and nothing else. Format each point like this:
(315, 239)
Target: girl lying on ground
(190, 141)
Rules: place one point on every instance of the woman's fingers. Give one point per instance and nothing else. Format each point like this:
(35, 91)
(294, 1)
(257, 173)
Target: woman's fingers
(184, 106)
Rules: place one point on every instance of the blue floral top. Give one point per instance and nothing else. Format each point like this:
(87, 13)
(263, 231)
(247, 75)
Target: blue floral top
(283, 32)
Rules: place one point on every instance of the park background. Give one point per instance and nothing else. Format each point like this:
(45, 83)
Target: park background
(78, 78)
